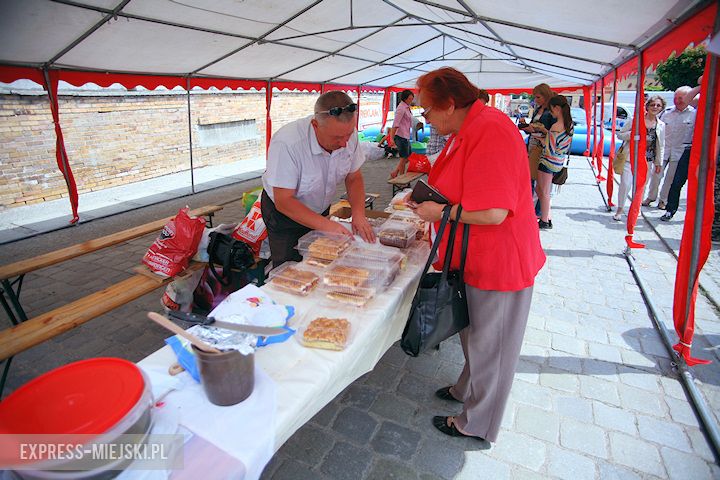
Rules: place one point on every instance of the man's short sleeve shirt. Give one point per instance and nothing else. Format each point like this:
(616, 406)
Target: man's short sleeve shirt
(296, 161)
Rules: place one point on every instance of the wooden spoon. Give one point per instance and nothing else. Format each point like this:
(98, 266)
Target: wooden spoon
(164, 322)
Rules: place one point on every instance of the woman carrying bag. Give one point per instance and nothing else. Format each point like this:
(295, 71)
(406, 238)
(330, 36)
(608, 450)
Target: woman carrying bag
(503, 251)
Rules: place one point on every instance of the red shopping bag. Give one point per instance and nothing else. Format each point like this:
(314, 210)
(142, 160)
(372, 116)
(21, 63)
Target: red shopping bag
(418, 163)
(176, 244)
(252, 229)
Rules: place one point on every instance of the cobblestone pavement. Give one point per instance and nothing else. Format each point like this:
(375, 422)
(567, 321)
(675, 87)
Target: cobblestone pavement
(595, 395)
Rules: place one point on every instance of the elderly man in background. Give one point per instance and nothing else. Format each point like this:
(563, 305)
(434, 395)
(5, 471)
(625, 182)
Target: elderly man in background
(307, 158)
(679, 123)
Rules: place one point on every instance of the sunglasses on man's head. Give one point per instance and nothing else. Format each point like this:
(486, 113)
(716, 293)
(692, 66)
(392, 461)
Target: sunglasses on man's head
(337, 111)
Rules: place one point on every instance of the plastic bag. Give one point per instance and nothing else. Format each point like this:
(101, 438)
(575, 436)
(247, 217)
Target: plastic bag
(418, 163)
(202, 251)
(178, 294)
(249, 198)
(252, 229)
(176, 244)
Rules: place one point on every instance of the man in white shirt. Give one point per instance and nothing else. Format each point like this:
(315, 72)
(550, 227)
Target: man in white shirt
(307, 158)
(679, 123)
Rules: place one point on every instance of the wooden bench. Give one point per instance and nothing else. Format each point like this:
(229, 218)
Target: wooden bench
(17, 270)
(45, 326)
(403, 181)
(369, 200)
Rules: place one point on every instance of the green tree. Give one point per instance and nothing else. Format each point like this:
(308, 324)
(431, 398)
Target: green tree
(683, 69)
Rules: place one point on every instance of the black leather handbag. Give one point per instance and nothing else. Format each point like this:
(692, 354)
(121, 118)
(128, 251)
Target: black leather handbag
(439, 309)
(235, 256)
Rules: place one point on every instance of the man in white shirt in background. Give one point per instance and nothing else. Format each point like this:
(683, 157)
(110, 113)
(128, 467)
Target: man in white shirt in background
(679, 123)
(307, 158)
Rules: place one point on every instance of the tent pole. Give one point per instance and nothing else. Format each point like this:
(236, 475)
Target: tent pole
(710, 428)
(639, 109)
(192, 171)
(709, 119)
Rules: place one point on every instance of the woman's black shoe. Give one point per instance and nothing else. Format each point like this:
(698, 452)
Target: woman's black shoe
(444, 394)
(441, 424)
(544, 225)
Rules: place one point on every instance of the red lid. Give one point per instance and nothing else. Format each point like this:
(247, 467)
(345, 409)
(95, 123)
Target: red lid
(85, 397)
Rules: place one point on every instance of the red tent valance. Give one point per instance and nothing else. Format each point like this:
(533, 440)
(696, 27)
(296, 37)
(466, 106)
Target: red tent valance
(310, 87)
(692, 31)
(10, 74)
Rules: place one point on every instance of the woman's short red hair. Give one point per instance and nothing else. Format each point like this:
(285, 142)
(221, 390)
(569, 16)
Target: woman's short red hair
(444, 86)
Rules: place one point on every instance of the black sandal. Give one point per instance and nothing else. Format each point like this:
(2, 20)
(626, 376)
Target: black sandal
(444, 394)
(441, 424)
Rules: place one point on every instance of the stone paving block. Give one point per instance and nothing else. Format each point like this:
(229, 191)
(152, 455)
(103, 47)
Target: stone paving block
(559, 380)
(533, 353)
(599, 389)
(568, 344)
(593, 335)
(577, 306)
(346, 461)
(681, 411)
(355, 424)
(527, 371)
(480, 465)
(326, 416)
(539, 337)
(395, 440)
(561, 326)
(309, 444)
(573, 407)
(440, 459)
(569, 465)
(565, 362)
(604, 352)
(583, 437)
(392, 407)
(416, 388)
(385, 468)
(448, 373)
(395, 356)
(639, 379)
(530, 394)
(641, 400)
(610, 471)
(359, 395)
(384, 376)
(451, 352)
(520, 450)
(636, 454)
(600, 369)
(538, 423)
(663, 432)
(623, 342)
(425, 365)
(612, 418)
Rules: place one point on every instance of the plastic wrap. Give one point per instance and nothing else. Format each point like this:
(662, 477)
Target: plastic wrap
(397, 234)
(295, 278)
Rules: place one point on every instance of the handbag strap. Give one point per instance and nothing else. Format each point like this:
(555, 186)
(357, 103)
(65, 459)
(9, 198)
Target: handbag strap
(463, 252)
(438, 237)
(451, 244)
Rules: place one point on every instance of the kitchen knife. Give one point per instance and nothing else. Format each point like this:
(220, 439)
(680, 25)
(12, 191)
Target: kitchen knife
(211, 322)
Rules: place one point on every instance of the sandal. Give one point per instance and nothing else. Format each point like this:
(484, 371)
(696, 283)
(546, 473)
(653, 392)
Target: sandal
(441, 423)
(444, 394)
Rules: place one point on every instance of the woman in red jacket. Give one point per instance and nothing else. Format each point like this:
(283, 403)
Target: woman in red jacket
(484, 168)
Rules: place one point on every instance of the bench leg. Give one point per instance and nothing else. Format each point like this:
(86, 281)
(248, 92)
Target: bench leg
(399, 187)
(209, 220)
(6, 369)
(14, 297)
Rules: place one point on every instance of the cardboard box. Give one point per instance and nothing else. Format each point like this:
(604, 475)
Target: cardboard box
(346, 212)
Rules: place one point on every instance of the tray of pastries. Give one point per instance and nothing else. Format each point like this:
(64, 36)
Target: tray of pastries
(291, 277)
(397, 234)
(326, 333)
(322, 247)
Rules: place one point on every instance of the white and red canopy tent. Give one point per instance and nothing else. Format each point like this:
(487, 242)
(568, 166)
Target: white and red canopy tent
(368, 45)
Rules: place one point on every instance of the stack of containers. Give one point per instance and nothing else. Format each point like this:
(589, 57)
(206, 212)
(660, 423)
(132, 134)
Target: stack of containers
(410, 217)
(397, 234)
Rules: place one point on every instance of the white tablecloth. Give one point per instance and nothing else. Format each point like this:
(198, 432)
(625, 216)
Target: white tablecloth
(293, 382)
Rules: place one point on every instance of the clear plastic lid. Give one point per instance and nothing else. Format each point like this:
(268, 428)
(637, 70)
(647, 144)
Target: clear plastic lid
(377, 254)
(408, 216)
(295, 278)
(397, 234)
(347, 276)
(328, 332)
(323, 245)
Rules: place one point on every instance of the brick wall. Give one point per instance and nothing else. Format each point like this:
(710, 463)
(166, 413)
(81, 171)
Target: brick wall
(118, 139)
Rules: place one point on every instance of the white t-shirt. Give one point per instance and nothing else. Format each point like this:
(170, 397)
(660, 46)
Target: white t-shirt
(297, 161)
